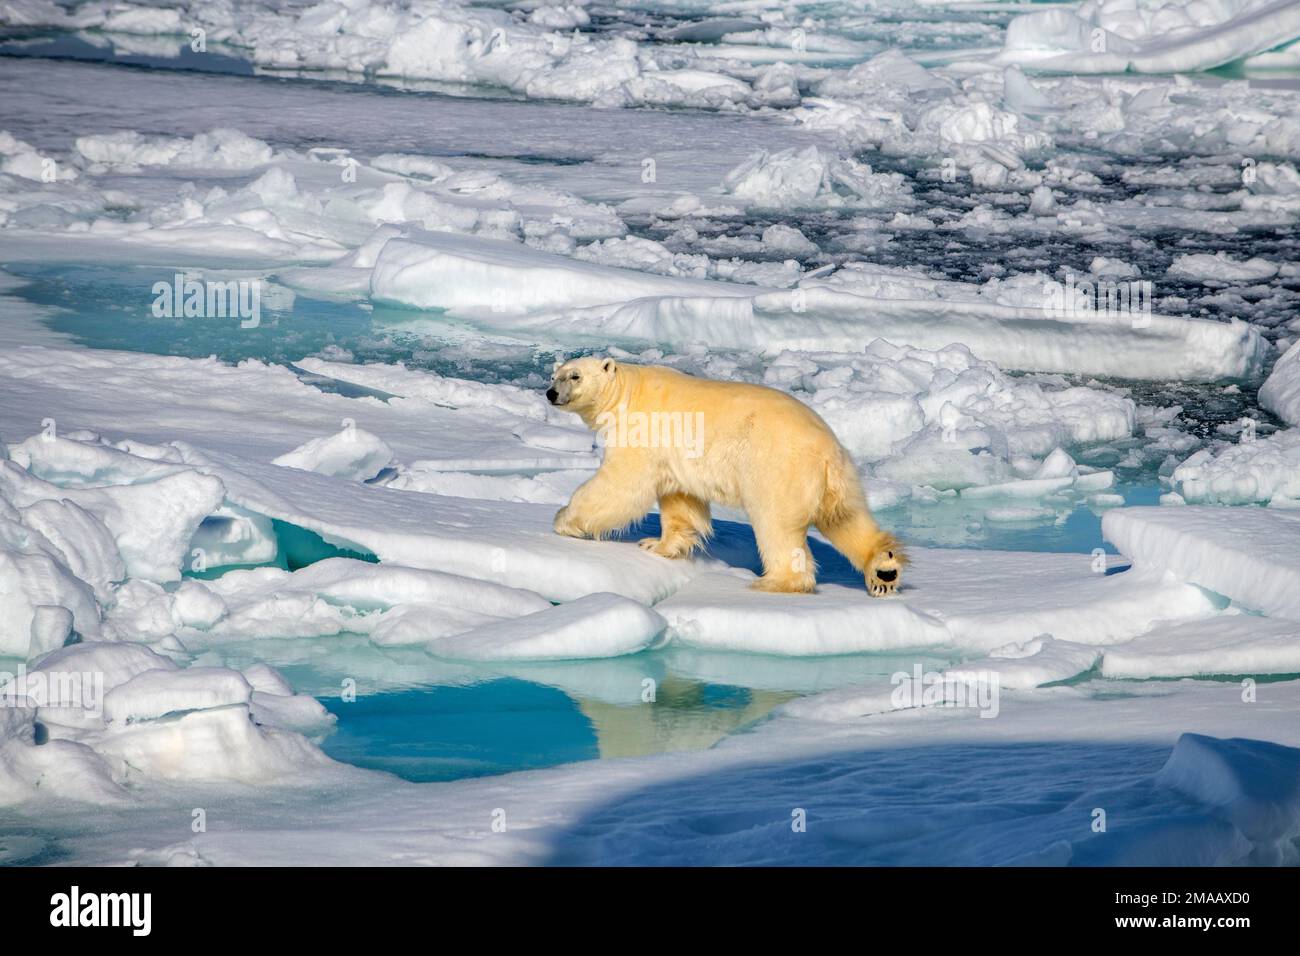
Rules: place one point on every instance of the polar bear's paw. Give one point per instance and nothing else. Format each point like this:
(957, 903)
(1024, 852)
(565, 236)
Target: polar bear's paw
(786, 584)
(565, 525)
(666, 548)
(884, 570)
(882, 588)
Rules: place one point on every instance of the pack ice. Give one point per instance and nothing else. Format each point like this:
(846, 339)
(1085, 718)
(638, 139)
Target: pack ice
(462, 276)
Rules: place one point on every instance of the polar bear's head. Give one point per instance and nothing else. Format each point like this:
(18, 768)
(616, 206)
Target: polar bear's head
(584, 385)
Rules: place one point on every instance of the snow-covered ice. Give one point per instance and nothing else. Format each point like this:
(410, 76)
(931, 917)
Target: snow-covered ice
(1280, 393)
(946, 605)
(1251, 556)
(1265, 469)
(1150, 36)
(1226, 644)
(599, 625)
(496, 282)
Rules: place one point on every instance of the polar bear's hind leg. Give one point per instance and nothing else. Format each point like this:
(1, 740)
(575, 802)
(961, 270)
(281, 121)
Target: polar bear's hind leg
(788, 566)
(846, 521)
(877, 554)
(884, 565)
(684, 523)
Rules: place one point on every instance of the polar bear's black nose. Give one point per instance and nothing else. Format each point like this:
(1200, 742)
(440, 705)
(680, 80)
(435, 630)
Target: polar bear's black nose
(886, 575)
(552, 395)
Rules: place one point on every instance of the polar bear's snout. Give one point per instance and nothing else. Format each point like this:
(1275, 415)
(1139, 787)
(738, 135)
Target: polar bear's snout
(582, 385)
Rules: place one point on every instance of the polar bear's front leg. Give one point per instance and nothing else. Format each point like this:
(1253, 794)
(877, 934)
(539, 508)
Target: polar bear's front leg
(613, 498)
(565, 525)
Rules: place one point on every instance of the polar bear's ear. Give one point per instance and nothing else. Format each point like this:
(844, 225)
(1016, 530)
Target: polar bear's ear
(556, 366)
(608, 366)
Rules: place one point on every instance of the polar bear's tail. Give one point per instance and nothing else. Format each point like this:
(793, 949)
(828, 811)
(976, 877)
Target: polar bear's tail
(845, 519)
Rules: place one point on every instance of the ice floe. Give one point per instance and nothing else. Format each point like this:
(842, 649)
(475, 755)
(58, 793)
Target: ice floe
(467, 277)
(808, 177)
(1250, 555)
(116, 714)
(352, 453)
(481, 278)
(1227, 644)
(1261, 469)
(392, 604)
(1220, 267)
(1255, 784)
(1280, 392)
(598, 625)
(1150, 36)
(945, 605)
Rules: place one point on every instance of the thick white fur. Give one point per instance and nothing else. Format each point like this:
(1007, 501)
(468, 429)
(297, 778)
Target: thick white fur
(760, 450)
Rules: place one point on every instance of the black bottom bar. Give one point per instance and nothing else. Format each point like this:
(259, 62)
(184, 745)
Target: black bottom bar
(304, 906)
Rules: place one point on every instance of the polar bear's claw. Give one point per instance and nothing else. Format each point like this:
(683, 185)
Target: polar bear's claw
(883, 571)
(655, 546)
(667, 549)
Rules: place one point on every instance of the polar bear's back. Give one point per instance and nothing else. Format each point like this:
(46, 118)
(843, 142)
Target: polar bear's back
(752, 436)
(666, 389)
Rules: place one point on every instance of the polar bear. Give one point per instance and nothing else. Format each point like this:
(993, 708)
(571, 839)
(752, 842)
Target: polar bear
(685, 442)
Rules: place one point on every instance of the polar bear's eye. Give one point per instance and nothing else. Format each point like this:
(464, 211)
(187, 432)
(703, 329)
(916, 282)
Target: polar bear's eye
(575, 376)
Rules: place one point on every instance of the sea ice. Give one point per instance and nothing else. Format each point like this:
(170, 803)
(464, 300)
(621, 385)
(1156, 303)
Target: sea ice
(945, 604)
(1227, 644)
(1250, 555)
(1149, 36)
(1280, 393)
(1263, 469)
(598, 625)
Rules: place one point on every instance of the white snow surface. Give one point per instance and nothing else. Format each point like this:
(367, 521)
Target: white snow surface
(1226, 644)
(1249, 555)
(1150, 36)
(1263, 470)
(1280, 393)
(944, 605)
(496, 282)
